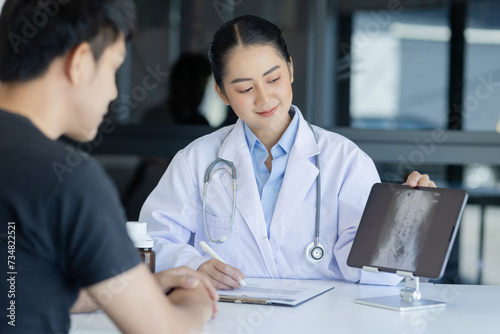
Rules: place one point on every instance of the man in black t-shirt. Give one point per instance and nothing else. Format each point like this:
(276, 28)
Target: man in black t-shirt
(63, 242)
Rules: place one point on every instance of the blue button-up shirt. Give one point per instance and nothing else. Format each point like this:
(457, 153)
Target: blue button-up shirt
(269, 183)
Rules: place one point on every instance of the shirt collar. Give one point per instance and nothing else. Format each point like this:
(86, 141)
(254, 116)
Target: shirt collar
(287, 139)
(251, 138)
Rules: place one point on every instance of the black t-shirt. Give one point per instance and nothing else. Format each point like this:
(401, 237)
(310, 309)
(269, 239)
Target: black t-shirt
(68, 225)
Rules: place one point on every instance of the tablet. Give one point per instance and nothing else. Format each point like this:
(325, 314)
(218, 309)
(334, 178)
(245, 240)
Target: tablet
(408, 229)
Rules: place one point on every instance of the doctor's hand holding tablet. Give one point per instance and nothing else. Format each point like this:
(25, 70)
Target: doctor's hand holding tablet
(272, 195)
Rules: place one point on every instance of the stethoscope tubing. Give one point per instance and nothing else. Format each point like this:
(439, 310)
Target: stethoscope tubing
(208, 177)
(310, 249)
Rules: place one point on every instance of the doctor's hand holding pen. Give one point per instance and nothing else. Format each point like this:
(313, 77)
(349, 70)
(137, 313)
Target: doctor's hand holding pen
(226, 277)
(253, 74)
(223, 276)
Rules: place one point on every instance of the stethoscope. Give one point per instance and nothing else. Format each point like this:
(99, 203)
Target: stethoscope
(314, 251)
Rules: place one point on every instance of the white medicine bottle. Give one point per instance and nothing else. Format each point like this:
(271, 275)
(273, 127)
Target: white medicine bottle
(138, 232)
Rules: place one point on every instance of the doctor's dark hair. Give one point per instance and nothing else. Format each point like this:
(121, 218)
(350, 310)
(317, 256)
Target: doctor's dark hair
(35, 32)
(243, 31)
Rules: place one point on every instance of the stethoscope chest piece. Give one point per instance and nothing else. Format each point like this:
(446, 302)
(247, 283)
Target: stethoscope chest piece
(314, 252)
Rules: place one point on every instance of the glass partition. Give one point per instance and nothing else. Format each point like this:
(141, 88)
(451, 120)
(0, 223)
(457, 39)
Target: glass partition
(399, 69)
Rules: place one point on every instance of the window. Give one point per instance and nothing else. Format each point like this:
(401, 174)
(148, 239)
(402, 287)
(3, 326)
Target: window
(399, 69)
(481, 104)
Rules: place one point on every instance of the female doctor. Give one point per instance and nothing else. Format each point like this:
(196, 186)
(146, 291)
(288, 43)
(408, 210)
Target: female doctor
(262, 211)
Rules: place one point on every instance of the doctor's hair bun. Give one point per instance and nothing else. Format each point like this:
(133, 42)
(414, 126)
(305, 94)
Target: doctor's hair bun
(243, 31)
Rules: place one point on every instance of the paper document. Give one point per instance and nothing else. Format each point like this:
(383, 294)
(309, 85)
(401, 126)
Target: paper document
(288, 292)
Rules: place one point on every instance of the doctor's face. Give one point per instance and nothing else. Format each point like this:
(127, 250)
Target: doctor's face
(258, 87)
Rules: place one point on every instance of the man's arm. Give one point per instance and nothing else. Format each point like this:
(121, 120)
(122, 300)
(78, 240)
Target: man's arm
(182, 277)
(84, 303)
(137, 304)
(186, 278)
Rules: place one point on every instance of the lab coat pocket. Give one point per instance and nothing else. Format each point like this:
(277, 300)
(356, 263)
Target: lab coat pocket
(217, 228)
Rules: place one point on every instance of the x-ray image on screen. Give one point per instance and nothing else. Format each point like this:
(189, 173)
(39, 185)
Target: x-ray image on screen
(404, 230)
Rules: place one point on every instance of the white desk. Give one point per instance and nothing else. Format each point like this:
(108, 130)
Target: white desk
(471, 309)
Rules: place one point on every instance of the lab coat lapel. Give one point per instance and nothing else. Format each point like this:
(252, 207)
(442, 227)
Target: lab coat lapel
(248, 203)
(300, 175)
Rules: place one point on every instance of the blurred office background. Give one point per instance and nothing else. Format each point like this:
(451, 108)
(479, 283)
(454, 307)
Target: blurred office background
(415, 83)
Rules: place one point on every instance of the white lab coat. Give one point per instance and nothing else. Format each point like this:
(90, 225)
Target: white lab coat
(173, 211)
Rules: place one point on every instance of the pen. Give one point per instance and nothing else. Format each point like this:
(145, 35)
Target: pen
(243, 300)
(207, 249)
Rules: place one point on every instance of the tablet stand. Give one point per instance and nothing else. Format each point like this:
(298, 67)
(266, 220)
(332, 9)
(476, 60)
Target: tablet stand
(409, 299)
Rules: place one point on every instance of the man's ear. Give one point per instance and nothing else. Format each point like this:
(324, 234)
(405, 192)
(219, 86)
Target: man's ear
(221, 94)
(290, 69)
(80, 64)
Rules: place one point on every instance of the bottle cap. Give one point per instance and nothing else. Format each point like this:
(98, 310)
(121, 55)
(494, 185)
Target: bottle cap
(138, 232)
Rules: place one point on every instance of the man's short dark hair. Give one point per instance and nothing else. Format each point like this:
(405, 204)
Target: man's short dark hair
(35, 32)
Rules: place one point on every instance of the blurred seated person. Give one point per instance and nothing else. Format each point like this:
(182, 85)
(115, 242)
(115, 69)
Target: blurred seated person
(188, 80)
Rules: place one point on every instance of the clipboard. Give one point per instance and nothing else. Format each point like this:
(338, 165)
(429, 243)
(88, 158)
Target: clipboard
(268, 291)
(244, 300)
